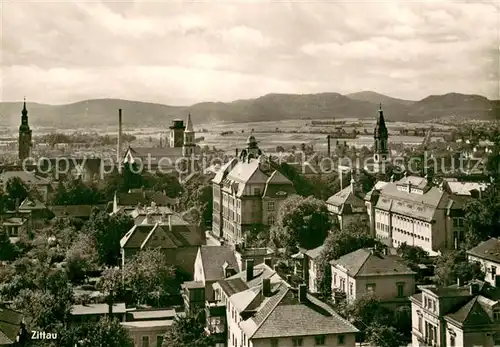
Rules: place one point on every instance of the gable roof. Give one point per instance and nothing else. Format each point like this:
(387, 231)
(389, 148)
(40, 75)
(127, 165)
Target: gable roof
(364, 262)
(471, 314)
(212, 259)
(78, 211)
(180, 236)
(282, 315)
(347, 198)
(30, 204)
(9, 325)
(278, 186)
(489, 250)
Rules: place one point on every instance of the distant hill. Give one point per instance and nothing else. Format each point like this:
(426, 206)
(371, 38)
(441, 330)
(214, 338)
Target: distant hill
(271, 107)
(378, 98)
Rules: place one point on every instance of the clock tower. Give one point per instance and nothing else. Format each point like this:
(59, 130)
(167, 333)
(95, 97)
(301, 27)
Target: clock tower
(25, 143)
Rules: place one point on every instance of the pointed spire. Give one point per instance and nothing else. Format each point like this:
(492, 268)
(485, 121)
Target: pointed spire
(189, 125)
(25, 111)
(380, 128)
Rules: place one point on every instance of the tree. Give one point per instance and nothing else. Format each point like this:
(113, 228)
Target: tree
(301, 222)
(452, 265)
(108, 231)
(188, 331)
(149, 276)
(76, 192)
(366, 312)
(7, 250)
(81, 257)
(107, 332)
(336, 245)
(482, 217)
(384, 336)
(402, 320)
(16, 191)
(168, 184)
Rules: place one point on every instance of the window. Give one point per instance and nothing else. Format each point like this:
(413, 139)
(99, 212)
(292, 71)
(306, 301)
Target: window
(401, 290)
(335, 279)
(370, 287)
(145, 341)
(274, 342)
(420, 323)
(496, 315)
(341, 340)
(452, 341)
(493, 272)
(320, 340)
(159, 340)
(351, 289)
(256, 191)
(270, 220)
(297, 342)
(270, 206)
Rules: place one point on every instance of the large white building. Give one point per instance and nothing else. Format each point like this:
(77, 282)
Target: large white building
(416, 212)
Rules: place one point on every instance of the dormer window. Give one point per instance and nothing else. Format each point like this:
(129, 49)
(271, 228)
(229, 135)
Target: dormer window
(496, 315)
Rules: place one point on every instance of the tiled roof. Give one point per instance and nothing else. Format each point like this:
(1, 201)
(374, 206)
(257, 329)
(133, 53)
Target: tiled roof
(282, 315)
(224, 170)
(144, 197)
(26, 177)
(489, 250)
(82, 211)
(419, 206)
(470, 314)
(212, 259)
(9, 325)
(314, 253)
(348, 199)
(91, 309)
(260, 271)
(244, 172)
(140, 236)
(416, 181)
(278, 186)
(155, 152)
(232, 286)
(365, 263)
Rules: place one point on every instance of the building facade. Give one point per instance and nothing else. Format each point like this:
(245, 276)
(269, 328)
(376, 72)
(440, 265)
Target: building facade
(487, 254)
(348, 205)
(381, 144)
(246, 195)
(369, 271)
(415, 211)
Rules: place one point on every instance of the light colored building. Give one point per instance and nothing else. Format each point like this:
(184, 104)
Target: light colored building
(487, 254)
(348, 205)
(309, 268)
(418, 213)
(264, 310)
(455, 316)
(246, 196)
(368, 271)
(148, 326)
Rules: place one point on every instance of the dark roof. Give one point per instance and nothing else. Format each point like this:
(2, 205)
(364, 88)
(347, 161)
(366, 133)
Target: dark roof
(489, 250)
(30, 204)
(79, 211)
(365, 262)
(212, 259)
(233, 286)
(470, 314)
(144, 197)
(159, 235)
(348, 198)
(9, 325)
(26, 177)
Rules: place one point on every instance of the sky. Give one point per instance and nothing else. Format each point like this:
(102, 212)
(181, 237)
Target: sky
(180, 53)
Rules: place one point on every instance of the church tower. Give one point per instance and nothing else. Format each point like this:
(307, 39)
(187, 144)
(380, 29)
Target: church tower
(24, 135)
(381, 149)
(189, 142)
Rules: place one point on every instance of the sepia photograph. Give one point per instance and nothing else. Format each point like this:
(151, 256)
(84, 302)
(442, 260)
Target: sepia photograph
(249, 173)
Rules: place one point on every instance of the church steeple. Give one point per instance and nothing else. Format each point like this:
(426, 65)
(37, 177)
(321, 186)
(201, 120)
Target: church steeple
(24, 135)
(189, 145)
(380, 136)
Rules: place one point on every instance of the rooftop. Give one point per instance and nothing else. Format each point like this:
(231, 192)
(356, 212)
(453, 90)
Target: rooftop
(213, 258)
(93, 309)
(489, 250)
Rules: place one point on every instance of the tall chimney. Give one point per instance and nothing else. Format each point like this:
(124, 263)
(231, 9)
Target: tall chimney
(268, 262)
(169, 222)
(119, 148)
(266, 287)
(302, 293)
(249, 266)
(329, 145)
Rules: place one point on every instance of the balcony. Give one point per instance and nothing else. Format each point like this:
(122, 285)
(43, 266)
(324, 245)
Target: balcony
(215, 308)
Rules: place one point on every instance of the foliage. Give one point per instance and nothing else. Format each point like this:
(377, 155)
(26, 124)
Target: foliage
(76, 192)
(188, 331)
(302, 222)
(452, 265)
(168, 184)
(368, 311)
(108, 231)
(104, 333)
(16, 191)
(7, 249)
(149, 276)
(81, 257)
(384, 336)
(198, 194)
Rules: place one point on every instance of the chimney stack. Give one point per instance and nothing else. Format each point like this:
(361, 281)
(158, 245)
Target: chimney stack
(268, 262)
(169, 222)
(249, 268)
(329, 145)
(119, 148)
(266, 287)
(302, 293)
(474, 289)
